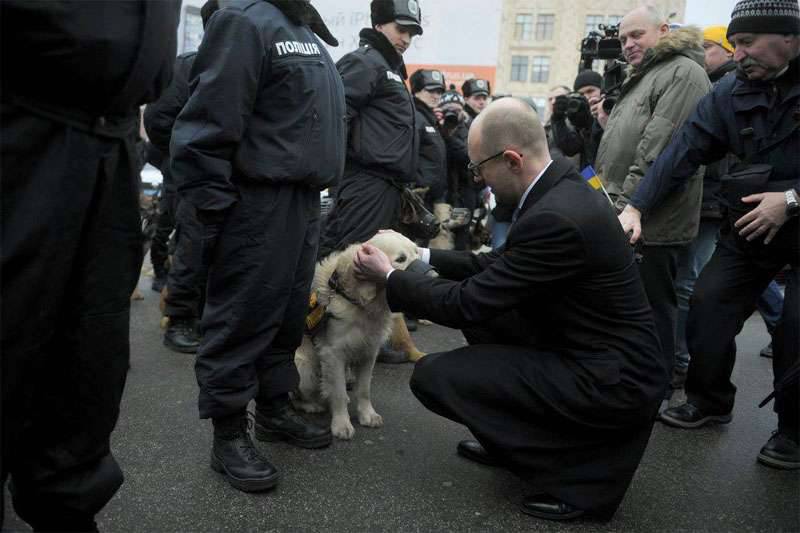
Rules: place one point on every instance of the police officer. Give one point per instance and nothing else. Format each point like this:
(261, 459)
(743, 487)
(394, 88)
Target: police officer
(476, 95)
(72, 241)
(261, 135)
(755, 115)
(382, 140)
(428, 87)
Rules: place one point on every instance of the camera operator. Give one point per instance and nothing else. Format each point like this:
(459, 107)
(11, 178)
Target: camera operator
(427, 86)
(665, 83)
(574, 130)
(462, 189)
(476, 96)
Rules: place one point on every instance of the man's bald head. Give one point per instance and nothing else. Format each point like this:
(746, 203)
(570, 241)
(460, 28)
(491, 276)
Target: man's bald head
(639, 31)
(509, 123)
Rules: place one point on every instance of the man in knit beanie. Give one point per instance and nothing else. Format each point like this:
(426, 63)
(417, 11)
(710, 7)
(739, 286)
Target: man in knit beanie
(755, 115)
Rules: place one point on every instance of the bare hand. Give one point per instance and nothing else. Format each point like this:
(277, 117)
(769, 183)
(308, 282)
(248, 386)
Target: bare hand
(631, 220)
(766, 219)
(371, 264)
(597, 111)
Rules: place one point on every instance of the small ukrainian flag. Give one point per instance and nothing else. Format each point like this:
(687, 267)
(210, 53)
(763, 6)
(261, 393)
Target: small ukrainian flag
(591, 178)
(594, 182)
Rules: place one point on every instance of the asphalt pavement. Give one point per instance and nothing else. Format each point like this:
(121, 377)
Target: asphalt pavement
(406, 476)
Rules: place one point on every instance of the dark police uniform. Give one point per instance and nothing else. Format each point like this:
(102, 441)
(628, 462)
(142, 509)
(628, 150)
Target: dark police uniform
(475, 86)
(261, 135)
(739, 271)
(382, 143)
(159, 117)
(72, 242)
(186, 277)
(432, 160)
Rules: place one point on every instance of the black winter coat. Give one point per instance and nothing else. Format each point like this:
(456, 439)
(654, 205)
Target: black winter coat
(771, 108)
(78, 61)
(382, 136)
(160, 116)
(266, 105)
(432, 162)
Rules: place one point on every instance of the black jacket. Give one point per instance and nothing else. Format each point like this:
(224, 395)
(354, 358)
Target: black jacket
(568, 274)
(159, 117)
(266, 105)
(432, 161)
(711, 206)
(736, 103)
(78, 61)
(382, 135)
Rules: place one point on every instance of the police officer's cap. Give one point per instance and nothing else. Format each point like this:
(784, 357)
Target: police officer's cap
(427, 79)
(475, 86)
(403, 12)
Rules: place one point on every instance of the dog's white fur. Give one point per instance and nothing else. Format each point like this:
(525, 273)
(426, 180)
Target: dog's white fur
(351, 336)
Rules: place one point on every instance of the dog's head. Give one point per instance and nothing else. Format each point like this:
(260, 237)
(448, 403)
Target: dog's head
(400, 250)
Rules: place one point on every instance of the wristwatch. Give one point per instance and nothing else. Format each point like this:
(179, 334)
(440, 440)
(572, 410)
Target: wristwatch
(792, 205)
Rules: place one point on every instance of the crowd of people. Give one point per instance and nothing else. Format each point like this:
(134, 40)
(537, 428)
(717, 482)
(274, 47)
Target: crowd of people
(591, 308)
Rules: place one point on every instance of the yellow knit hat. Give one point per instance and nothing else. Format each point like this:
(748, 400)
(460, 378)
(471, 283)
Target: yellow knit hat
(716, 34)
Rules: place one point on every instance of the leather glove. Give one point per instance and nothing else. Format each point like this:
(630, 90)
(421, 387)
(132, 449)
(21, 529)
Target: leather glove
(560, 107)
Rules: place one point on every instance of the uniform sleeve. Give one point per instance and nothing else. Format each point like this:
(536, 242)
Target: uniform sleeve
(673, 107)
(702, 139)
(224, 85)
(359, 79)
(159, 117)
(554, 251)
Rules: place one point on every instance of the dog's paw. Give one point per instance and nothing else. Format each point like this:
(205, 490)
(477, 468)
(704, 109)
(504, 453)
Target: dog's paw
(342, 429)
(370, 419)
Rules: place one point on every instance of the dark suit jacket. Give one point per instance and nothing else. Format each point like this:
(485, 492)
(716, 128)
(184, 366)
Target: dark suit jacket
(567, 283)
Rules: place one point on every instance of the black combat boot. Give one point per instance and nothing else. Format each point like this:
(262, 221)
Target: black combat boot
(181, 335)
(235, 456)
(277, 420)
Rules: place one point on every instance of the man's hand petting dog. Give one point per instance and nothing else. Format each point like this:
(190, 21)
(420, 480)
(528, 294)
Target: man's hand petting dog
(371, 264)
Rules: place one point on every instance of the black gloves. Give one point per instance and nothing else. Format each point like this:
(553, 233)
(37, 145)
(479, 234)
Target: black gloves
(560, 107)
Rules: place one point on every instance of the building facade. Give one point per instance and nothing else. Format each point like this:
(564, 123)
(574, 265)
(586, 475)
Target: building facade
(540, 40)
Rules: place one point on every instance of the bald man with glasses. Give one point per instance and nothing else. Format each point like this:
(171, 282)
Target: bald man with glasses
(563, 374)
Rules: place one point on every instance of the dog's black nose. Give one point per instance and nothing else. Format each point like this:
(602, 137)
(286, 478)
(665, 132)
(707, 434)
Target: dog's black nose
(422, 267)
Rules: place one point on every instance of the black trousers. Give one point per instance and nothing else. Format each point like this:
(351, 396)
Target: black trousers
(725, 295)
(497, 392)
(71, 251)
(257, 297)
(165, 224)
(364, 204)
(658, 269)
(186, 282)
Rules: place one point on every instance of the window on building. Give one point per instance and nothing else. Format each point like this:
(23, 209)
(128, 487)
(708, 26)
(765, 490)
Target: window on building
(593, 23)
(519, 68)
(523, 27)
(545, 24)
(540, 71)
(613, 20)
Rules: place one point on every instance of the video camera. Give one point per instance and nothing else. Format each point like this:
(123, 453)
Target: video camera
(605, 46)
(575, 107)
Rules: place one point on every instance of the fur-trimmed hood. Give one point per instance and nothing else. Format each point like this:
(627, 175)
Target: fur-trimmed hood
(686, 41)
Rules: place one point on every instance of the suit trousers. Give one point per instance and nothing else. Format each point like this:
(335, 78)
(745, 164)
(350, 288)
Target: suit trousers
(490, 389)
(72, 248)
(257, 297)
(724, 297)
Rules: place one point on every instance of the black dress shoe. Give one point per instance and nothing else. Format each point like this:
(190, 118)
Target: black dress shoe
(234, 456)
(687, 416)
(390, 356)
(780, 451)
(472, 450)
(282, 423)
(549, 508)
(181, 335)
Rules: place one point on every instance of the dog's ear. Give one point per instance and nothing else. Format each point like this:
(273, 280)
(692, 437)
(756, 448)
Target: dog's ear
(363, 291)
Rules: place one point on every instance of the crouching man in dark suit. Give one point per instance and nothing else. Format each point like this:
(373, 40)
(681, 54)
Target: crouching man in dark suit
(564, 373)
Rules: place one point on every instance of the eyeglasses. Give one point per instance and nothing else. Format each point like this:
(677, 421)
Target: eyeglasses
(475, 168)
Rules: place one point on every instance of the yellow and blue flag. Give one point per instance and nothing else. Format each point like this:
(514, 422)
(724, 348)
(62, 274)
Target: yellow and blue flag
(591, 178)
(594, 182)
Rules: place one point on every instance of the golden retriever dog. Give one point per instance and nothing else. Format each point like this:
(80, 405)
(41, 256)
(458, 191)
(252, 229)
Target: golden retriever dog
(356, 322)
